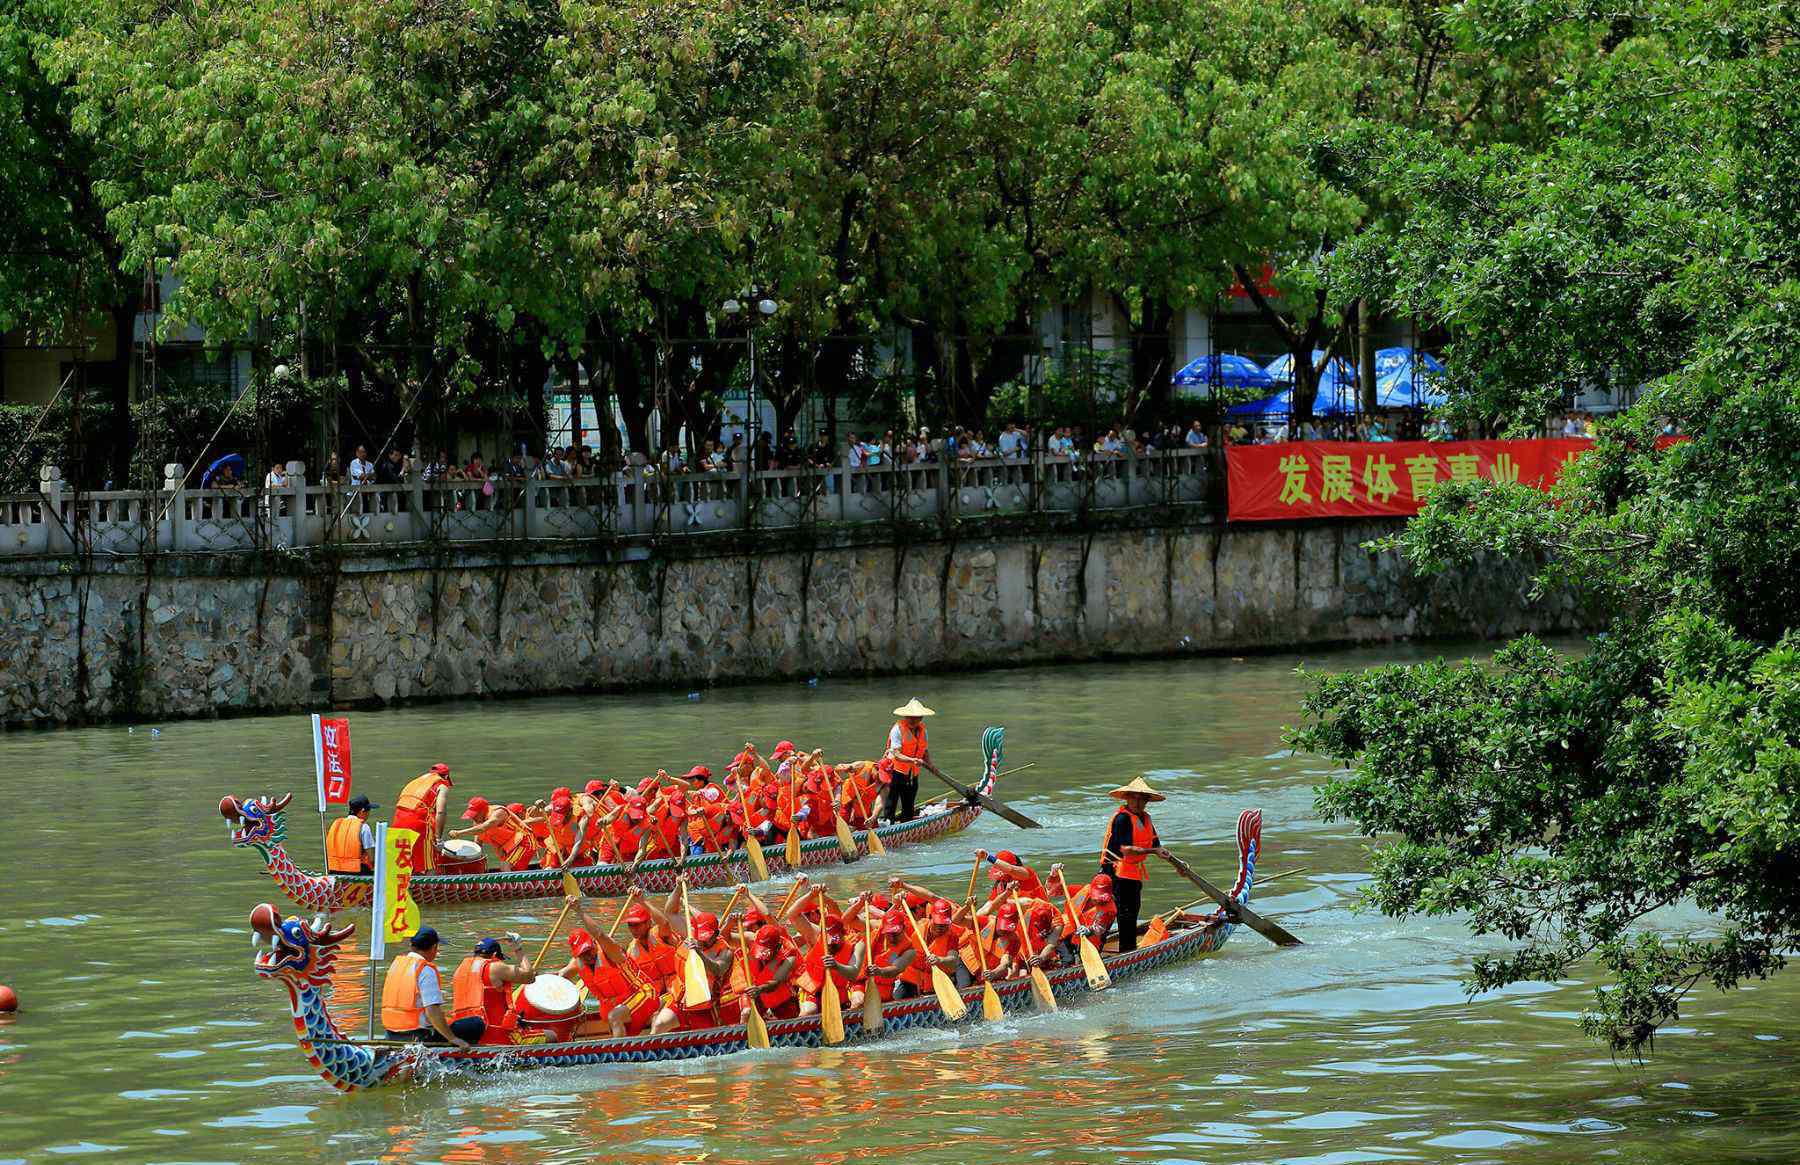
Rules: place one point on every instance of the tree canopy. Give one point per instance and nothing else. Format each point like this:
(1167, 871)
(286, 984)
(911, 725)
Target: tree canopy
(1562, 801)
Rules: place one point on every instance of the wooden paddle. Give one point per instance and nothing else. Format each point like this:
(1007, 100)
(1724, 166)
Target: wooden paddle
(793, 837)
(1235, 910)
(983, 800)
(758, 866)
(831, 1008)
(872, 1020)
(1040, 982)
(990, 998)
(1002, 773)
(974, 872)
(1098, 978)
(696, 987)
(877, 847)
(620, 916)
(756, 1032)
(949, 998)
(571, 891)
(846, 839)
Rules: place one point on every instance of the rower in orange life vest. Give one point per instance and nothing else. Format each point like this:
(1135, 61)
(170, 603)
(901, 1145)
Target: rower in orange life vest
(1095, 912)
(412, 995)
(421, 807)
(1009, 873)
(626, 1001)
(908, 750)
(479, 1004)
(350, 842)
(1130, 838)
(502, 827)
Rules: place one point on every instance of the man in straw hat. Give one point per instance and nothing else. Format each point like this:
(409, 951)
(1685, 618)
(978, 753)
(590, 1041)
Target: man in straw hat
(1130, 838)
(906, 751)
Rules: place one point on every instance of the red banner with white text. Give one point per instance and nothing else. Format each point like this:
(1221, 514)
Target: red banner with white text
(1356, 479)
(331, 760)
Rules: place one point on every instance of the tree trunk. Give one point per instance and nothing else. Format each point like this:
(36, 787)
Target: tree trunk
(1365, 355)
(114, 376)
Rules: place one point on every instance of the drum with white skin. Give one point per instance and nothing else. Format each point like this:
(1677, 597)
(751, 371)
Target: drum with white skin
(551, 1004)
(459, 855)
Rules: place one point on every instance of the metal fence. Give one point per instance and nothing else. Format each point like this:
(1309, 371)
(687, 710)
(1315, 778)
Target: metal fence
(639, 500)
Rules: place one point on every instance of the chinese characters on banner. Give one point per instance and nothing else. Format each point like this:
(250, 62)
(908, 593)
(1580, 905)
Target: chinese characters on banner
(1347, 479)
(331, 760)
(398, 913)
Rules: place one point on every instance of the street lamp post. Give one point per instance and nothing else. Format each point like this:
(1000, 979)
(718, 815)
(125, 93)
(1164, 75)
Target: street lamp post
(766, 308)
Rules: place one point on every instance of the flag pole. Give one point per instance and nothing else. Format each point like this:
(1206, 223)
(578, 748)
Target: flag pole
(377, 945)
(319, 783)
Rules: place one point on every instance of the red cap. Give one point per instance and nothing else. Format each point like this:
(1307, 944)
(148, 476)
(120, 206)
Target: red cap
(893, 924)
(884, 771)
(635, 913)
(784, 748)
(698, 773)
(834, 922)
(477, 810)
(1042, 914)
(768, 938)
(517, 808)
(594, 788)
(754, 917)
(1102, 882)
(562, 793)
(562, 810)
(706, 926)
(1007, 923)
(581, 942)
(1009, 857)
(441, 769)
(880, 901)
(941, 911)
(635, 808)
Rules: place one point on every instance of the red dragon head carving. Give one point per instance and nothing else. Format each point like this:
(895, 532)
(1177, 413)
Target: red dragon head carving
(303, 955)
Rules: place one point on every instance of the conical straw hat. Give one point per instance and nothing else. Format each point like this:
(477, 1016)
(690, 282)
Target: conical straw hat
(1138, 785)
(913, 708)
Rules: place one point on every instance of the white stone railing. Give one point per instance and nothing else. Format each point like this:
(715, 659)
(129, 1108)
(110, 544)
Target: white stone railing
(59, 520)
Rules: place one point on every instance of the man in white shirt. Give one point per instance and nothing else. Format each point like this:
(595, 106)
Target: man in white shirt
(1011, 440)
(859, 456)
(1196, 437)
(362, 470)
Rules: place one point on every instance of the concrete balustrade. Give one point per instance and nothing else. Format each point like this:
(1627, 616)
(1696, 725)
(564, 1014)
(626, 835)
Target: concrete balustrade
(638, 500)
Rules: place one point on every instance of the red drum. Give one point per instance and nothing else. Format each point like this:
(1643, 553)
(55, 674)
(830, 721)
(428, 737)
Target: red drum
(549, 1007)
(461, 856)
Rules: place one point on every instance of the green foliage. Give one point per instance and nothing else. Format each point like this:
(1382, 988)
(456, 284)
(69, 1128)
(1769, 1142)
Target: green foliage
(1559, 802)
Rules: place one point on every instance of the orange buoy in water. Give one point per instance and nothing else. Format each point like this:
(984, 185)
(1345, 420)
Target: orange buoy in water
(9, 999)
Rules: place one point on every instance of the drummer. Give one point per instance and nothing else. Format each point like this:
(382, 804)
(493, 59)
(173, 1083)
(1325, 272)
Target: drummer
(502, 827)
(908, 750)
(478, 997)
(422, 807)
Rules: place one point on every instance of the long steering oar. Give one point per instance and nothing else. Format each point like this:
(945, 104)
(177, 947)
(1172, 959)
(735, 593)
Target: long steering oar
(831, 1008)
(752, 848)
(571, 892)
(1236, 910)
(872, 1020)
(1040, 982)
(990, 999)
(1098, 978)
(983, 800)
(756, 1032)
(948, 997)
(696, 987)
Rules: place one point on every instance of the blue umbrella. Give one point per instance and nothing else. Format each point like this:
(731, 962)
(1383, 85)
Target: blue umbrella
(1335, 400)
(1406, 378)
(1338, 372)
(1225, 370)
(235, 460)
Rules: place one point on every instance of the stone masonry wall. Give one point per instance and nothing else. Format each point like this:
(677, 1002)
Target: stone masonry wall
(204, 637)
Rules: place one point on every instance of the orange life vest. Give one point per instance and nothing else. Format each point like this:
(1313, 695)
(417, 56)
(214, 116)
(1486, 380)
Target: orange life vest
(844, 954)
(763, 973)
(657, 963)
(912, 744)
(419, 797)
(558, 845)
(473, 993)
(400, 1007)
(1089, 915)
(343, 847)
(609, 985)
(1142, 834)
(513, 844)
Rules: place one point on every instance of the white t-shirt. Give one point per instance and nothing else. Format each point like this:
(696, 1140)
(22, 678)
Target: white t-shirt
(858, 455)
(362, 472)
(277, 478)
(1195, 438)
(431, 988)
(368, 836)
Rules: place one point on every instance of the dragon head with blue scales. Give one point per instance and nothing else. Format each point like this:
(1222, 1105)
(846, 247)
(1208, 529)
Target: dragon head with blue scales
(260, 823)
(303, 957)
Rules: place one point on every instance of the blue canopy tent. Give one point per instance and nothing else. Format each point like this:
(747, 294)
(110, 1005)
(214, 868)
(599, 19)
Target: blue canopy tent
(1334, 400)
(1224, 370)
(1337, 387)
(1406, 378)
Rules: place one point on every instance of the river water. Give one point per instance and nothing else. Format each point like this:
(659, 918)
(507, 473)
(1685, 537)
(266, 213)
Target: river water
(145, 1036)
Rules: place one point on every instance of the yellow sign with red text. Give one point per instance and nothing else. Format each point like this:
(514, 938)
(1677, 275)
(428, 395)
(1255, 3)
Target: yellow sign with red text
(399, 913)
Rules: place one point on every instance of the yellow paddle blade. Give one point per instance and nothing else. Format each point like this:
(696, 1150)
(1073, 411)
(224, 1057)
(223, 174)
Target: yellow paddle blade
(872, 1020)
(1094, 966)
(877, 847)
(756, 1032)
(758, 865)
(990, 1003)
(831, 1012)
(793, 849)
(1040, 989)
(949, 998)
(697, 989)
(847, 840)
(571, 888)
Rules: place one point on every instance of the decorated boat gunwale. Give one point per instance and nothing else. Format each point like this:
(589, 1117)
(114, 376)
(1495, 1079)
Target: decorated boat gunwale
(260, 823)
(302, 957)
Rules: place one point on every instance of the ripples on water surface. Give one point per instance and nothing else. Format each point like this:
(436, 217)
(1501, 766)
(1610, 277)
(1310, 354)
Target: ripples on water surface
(147, 1038)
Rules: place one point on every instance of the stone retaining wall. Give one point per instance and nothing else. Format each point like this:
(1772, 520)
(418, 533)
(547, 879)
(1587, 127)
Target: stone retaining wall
(196, 636)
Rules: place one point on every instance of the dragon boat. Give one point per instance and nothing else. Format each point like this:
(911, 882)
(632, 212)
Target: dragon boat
(260, 823)
(302, 957)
